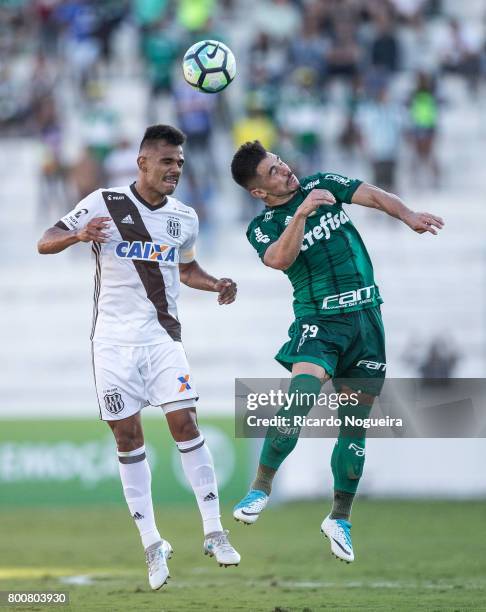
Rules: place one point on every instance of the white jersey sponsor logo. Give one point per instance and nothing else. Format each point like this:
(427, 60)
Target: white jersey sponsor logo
(145, 251)
(137, 276)
(74, 218)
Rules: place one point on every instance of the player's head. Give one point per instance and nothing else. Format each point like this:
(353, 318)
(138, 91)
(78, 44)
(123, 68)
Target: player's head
(263, 173)
(160, 158)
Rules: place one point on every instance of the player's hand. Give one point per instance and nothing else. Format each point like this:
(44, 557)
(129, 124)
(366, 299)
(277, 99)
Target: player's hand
(226, 289)
(422, 222)
(316, 198)
(94, 230)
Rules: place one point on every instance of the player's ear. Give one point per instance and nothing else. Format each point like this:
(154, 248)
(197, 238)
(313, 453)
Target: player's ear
(142, 163)
(260, 194)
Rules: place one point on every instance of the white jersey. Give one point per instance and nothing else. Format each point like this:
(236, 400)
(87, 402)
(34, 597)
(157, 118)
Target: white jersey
(137, 269)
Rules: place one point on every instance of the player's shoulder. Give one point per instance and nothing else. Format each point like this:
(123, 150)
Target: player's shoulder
(322, 179)
(255, 222)
(95, 199)
(268, 220)
(342, 187)
(176, 206)
(118, 192)
(313, 181)
(105, 196)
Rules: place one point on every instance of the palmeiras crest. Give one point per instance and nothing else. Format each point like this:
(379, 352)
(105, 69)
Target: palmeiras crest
(113, 403)
(173, 227)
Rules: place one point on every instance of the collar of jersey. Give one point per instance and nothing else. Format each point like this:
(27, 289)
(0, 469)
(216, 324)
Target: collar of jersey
(289, 203)
(144, 202)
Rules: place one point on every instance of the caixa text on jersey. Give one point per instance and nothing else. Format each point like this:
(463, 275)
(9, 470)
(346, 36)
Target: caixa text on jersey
(146, 251)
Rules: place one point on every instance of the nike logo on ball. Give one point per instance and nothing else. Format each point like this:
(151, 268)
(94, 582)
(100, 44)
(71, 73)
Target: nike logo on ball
(213, 53)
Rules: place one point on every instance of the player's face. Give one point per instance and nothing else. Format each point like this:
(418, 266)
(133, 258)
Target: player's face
(162, 164)
(275, 178)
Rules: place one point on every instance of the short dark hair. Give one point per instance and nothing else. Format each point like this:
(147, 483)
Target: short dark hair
(163, 132)
(245, 162)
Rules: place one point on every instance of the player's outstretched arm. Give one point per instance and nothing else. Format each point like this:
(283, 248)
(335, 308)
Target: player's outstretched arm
(374, 197)
(56, 239)
(284, 251)
(195, 277)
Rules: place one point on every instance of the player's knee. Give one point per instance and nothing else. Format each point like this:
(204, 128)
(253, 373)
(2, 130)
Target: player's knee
(128, 436)
(186, 429)
(126, 442)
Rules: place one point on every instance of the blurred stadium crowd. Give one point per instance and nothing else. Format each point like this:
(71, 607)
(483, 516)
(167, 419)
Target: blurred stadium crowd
(385, 58)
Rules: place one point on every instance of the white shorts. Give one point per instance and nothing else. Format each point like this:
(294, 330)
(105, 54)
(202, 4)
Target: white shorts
(127, 378)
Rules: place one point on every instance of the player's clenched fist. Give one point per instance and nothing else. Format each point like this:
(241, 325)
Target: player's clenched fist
(227, 290)
(93, 231)
(316, 198)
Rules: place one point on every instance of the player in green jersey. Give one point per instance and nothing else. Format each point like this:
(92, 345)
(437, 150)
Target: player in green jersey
(338, 331)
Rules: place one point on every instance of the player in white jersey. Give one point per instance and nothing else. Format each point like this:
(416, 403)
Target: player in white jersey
(143, 243)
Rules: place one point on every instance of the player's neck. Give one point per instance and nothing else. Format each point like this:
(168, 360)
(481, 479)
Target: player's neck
(272, 200)
(151, 196)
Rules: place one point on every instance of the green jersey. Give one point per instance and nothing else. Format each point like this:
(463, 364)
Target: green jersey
(333, 273)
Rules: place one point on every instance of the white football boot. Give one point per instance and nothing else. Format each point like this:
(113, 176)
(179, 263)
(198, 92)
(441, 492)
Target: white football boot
(156, 557)
(250, 507)
(217, 545)
(339, 534)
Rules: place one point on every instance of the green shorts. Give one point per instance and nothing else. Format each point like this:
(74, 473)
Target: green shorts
(347, 346)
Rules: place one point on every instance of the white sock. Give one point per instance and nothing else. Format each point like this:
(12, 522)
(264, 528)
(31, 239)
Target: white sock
(199, 470)
(136, 480)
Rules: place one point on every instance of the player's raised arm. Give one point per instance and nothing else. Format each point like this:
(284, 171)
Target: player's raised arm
(56, 238)
(195, 277)
(284, 251)
(374, 197)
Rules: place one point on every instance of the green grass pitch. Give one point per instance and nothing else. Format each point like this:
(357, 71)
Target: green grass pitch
(410, 556)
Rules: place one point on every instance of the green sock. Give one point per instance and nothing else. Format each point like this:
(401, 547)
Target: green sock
(263, 479)
(341, 507)
(347, 462)
(278, 445)
(348, 455)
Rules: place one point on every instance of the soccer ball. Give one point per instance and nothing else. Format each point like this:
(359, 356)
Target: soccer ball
(209, 66)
